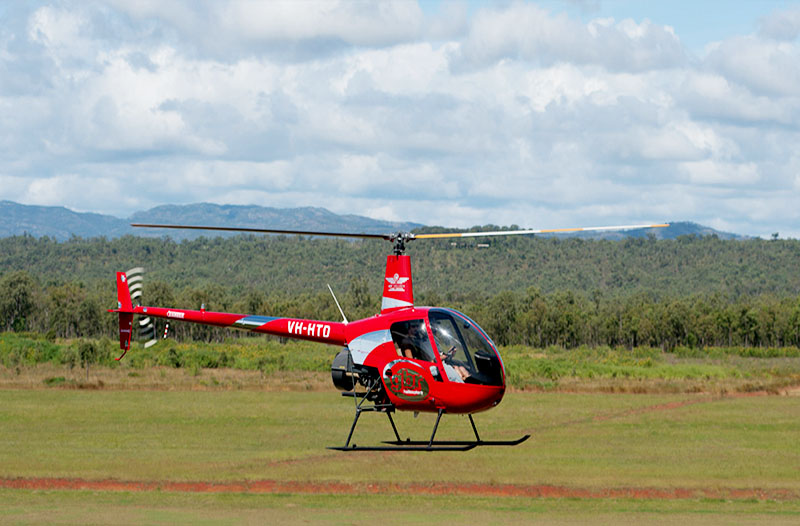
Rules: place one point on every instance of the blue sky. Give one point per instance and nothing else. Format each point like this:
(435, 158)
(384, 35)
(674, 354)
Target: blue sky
(697, 22)
(543, 114)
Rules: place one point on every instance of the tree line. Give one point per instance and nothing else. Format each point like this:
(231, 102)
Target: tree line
(455, 271)
(567, 318)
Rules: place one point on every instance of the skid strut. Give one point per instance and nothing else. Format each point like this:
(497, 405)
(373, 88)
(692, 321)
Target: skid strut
(468, 443)
(419, 445)
(401, 445)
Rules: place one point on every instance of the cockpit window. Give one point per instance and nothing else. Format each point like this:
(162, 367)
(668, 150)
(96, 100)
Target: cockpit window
(466, 354)
(411, 340)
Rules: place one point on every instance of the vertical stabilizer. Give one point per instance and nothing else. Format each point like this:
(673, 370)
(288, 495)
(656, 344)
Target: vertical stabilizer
(124, 303)
(125, 310)
(125, 329)
(398, 292)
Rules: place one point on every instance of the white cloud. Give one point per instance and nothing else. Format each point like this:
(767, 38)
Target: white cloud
(282, 29)
(713, 96)
(722, 174)
(530, 33)
(765, 67)
(362, 23)
(59, 31)
(510, 113)
(781, 25)
(76, 191)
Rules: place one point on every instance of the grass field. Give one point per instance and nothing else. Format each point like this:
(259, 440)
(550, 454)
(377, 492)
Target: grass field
(728, 460)
(62, 508)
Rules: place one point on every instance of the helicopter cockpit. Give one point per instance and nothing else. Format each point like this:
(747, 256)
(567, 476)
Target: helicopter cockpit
(466, 353)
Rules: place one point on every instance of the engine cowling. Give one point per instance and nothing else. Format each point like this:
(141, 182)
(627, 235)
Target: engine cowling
(344, 373)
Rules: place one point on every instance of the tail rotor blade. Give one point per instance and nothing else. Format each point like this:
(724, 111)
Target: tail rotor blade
(147, 329)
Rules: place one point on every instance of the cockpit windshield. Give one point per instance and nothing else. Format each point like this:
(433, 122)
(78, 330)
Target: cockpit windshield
(466, 354)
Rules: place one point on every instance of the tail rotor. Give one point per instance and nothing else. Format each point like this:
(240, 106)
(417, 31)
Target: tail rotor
(147, 329)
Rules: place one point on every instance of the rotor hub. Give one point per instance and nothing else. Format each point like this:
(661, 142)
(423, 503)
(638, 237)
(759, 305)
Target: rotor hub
(399, 241)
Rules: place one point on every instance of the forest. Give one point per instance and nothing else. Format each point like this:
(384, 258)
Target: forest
(690, 292)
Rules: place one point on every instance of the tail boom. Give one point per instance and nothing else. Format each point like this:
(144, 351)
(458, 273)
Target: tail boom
(329, 332)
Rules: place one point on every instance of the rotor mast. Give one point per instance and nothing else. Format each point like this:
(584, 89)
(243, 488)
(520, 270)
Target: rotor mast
(399, 242)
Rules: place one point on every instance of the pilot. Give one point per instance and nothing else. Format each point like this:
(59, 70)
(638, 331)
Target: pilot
(410, 344)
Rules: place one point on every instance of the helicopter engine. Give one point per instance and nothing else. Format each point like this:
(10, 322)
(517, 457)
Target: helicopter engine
(346, 375)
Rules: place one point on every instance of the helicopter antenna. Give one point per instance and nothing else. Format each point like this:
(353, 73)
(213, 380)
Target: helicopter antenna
(337, 305)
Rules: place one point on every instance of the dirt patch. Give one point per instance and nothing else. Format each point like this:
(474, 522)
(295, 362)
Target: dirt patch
(791, 391)
(654, 408)
(383, 488)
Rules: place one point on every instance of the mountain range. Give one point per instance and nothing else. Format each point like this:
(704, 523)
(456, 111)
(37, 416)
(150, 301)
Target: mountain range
(61, 223)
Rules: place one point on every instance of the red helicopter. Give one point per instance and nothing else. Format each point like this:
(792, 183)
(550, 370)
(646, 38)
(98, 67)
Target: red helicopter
(406, 358)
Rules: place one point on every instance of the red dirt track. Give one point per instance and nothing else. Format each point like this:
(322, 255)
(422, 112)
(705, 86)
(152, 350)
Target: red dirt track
(381, 488)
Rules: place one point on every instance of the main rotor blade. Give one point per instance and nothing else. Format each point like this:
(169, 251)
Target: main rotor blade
(544, 231)
(265, 231)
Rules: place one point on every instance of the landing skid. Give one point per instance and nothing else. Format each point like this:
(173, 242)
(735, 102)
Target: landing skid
(468, 444)
(434, 447)
(417, 445)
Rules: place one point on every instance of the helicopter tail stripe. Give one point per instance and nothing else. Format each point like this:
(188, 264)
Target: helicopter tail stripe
(251, 322)
(391, 303)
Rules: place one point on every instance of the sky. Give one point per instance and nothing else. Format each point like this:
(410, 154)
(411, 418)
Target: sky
(548, 114)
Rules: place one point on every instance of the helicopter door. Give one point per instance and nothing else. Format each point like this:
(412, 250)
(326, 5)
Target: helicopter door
(411, 340)
(408, 378)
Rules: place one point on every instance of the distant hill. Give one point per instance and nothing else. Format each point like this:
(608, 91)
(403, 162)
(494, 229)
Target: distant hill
(674, 230)
(252, 216)
(61, 223)
(57, 222)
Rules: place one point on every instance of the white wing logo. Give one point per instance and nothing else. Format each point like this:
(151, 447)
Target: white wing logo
(396, 283)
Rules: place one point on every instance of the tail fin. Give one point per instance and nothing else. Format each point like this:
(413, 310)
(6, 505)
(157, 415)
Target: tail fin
(124, 303)
(397, 285)
(125, 310)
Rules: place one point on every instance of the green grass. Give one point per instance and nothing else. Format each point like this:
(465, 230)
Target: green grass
(200, 412)
(579, 440)
(57, 508)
